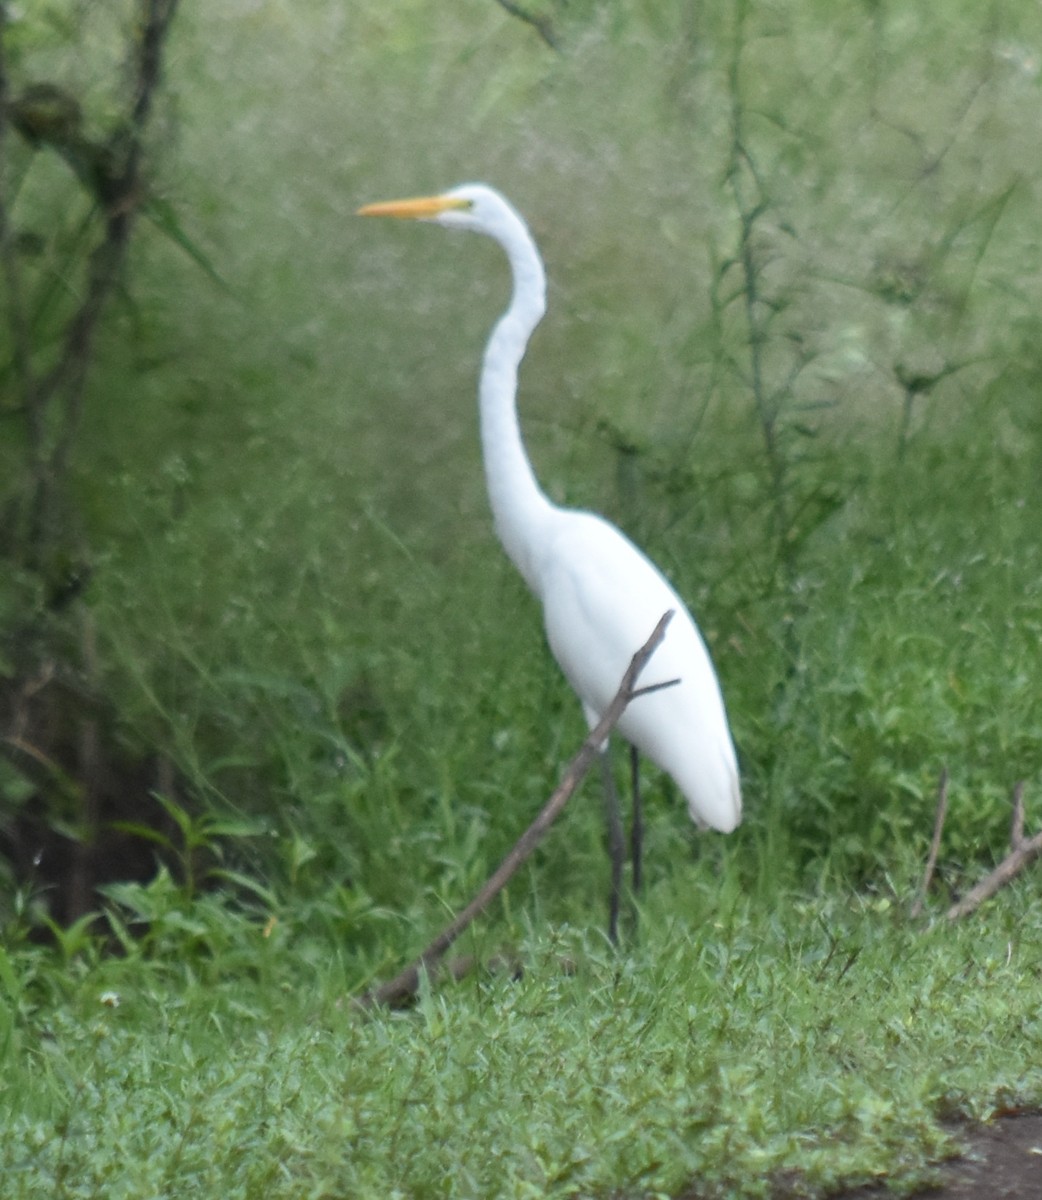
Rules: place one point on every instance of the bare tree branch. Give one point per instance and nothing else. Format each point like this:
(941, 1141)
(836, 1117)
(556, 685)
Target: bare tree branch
(741, 168)
(1011, 865)
(404, 985)
(541, 25)
(935, 841)
(1016, 833)
(1023, 853)
(113, 171)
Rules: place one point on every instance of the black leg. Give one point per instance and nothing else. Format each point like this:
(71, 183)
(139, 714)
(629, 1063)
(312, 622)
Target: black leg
(637, 828)
(616, 844)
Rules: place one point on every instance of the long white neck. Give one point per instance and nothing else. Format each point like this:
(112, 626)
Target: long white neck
(519, 506)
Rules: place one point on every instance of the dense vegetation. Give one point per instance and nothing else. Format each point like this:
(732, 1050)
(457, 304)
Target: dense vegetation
(261, 632)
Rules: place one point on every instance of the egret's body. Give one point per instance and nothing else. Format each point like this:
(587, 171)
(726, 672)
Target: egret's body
(601, 596)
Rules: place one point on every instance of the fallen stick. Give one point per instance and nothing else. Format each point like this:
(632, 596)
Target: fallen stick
(1016, 833)
(1024, 851)
(405, 984)
(935, 842)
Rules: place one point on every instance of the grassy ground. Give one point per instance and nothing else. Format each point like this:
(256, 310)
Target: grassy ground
(729, 1051)
(299, 601)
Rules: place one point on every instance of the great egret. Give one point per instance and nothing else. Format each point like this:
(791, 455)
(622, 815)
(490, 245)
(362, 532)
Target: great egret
(601, 596)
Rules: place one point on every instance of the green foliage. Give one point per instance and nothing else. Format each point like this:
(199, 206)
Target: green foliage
(358, 605)
(298, 597)
(793, 350)
(821, 1045)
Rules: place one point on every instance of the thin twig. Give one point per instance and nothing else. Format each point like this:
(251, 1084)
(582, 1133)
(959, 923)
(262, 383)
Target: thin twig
(1024, 852)
(1011, 865)
(1016, 834)
(748, 215)
(653, 687)
(541, 25)
(404, 985)
(123, 196)
(119, 190)
(935, 842)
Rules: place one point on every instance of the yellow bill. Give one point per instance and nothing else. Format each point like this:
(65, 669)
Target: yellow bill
(418, 208)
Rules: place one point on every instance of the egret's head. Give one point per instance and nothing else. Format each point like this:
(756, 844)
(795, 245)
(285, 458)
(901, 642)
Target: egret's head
(472, 206)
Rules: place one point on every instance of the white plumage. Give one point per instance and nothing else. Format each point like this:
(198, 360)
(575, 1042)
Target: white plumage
(601, 596)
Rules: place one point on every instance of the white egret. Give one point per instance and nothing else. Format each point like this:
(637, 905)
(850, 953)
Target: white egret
(601, 596)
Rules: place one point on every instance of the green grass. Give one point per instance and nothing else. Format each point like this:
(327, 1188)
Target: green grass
(729, 1050)
(299, 601)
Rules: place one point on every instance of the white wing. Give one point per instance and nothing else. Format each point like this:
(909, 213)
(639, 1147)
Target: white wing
(602, 597)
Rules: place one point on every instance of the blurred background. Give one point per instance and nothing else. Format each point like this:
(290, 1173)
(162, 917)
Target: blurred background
(254, 622)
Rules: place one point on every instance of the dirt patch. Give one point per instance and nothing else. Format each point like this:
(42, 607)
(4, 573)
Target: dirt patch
(1000, 1161)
